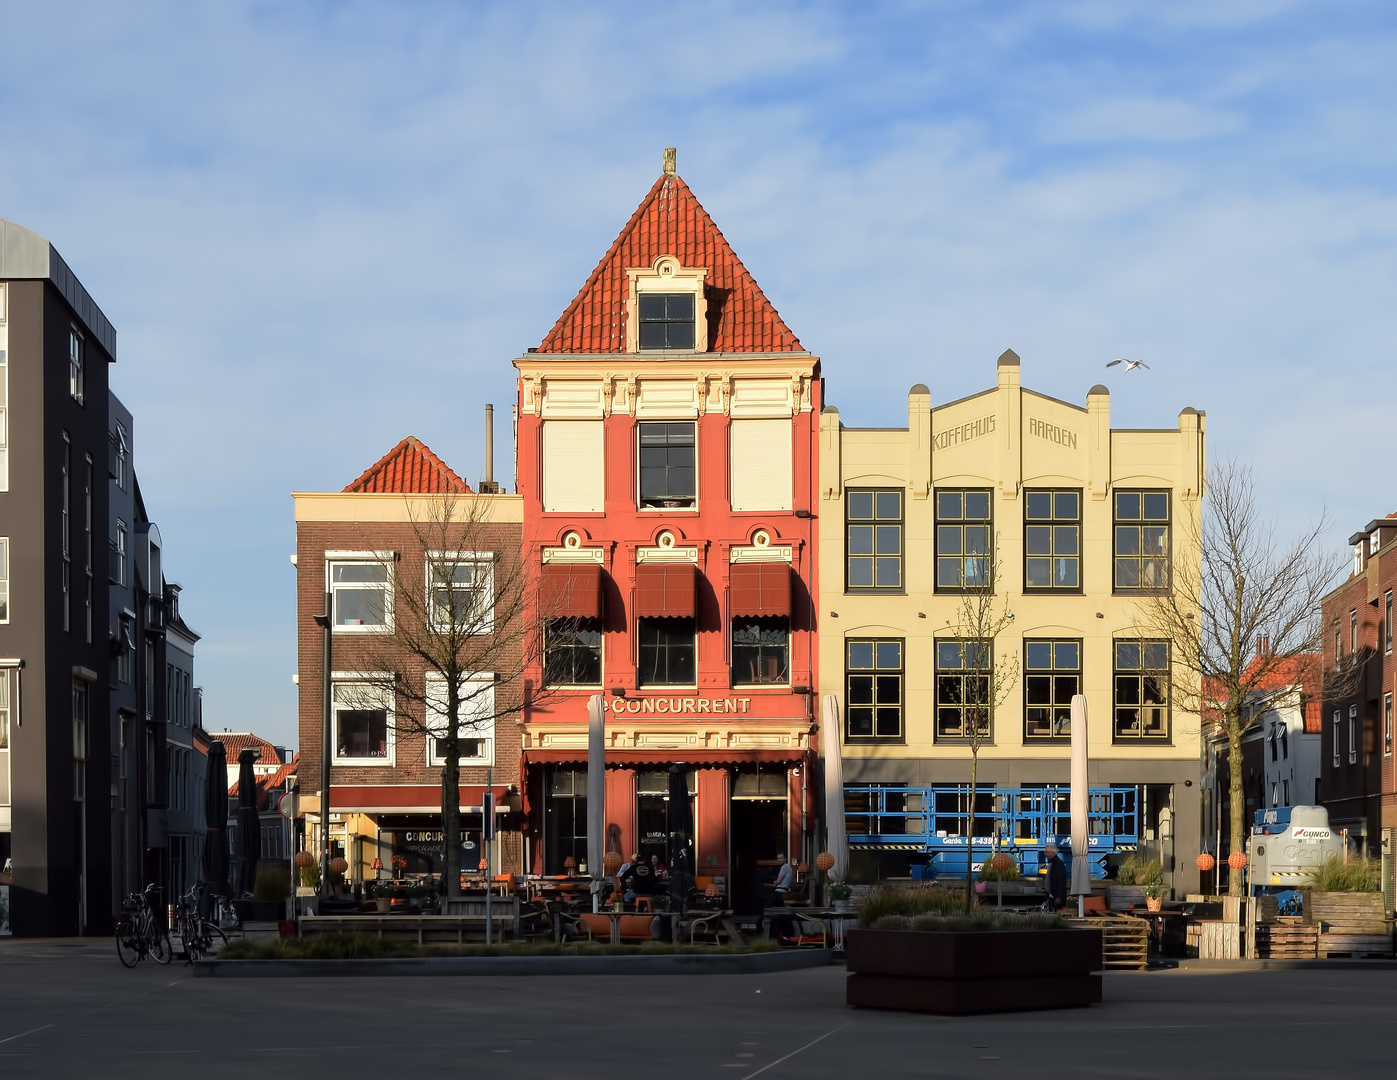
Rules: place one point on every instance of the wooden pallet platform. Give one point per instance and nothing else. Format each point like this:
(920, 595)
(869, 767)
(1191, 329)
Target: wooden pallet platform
(1332, 944)
(1286, 938)
(1125, 940)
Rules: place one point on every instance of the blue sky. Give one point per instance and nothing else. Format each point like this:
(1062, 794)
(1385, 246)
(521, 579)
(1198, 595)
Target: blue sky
(320, 227)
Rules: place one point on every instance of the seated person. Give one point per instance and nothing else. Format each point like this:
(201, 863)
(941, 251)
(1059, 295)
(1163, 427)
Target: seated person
(640, 882)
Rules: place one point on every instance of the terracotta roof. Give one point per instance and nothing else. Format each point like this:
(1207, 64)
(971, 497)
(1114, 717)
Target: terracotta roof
(410, 468)
(1302, 669)
(1314, 717)
(265, 784)
(670, 221)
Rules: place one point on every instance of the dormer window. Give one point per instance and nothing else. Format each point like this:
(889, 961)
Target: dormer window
(667, 321)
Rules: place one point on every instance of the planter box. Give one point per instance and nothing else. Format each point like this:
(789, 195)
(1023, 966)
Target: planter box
(1346, 912)
(974, 971)
(1125, 897)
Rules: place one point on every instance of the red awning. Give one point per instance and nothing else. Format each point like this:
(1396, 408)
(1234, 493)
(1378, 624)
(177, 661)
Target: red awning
(571, 590)
(760, 588)
(706, 758)
(664, 590)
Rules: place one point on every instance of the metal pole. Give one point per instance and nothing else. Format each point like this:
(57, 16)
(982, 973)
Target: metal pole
(326, 746)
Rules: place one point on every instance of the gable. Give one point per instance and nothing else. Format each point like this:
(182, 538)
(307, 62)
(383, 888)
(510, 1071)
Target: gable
(410, 468)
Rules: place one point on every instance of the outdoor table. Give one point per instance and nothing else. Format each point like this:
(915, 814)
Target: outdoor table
(835, 922)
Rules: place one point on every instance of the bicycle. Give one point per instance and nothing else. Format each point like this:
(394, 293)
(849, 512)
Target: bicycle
(198, 935)
(138, 930)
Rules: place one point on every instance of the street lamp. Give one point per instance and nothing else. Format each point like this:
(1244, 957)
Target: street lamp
(323, 621)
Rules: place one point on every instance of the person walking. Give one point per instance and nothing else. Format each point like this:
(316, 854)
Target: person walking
(1055, 880)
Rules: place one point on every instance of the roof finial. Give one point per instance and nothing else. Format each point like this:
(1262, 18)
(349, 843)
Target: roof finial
(669, 160)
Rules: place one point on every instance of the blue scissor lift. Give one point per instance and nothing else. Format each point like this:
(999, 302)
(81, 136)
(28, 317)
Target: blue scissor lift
(1019, 820)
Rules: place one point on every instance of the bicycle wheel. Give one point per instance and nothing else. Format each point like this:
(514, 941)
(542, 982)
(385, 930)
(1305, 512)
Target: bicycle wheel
(159, 946)
(214, 939)
(128, 944)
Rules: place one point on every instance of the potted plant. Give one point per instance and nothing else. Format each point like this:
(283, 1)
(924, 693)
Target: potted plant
(1154, 894)
(839, 894)
(918, 950)
(383, 895)
(1128, 888)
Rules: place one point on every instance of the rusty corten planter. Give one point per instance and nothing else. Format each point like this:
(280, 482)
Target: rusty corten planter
(957, 973)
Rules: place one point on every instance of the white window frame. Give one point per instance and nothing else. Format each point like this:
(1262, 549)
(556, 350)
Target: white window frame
(478, 559)
(4, 579)
(483, 705)
(121, 544)
(384, 559)
(123, 455)
(77, 364)
(1353, 734)
(371, 681)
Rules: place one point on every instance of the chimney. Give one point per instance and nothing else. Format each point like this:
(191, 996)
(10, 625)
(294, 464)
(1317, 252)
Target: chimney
(487, 484)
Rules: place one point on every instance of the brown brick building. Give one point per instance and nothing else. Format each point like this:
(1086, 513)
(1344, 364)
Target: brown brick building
(363, 547)
(1357, 783)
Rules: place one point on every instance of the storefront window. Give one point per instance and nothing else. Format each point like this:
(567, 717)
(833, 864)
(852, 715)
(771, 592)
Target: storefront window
(566, 821)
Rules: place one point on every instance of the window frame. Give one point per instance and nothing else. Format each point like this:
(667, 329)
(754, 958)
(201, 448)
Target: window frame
(1353, 734)
(963, 672)
(641, 321)
(487, 728)
(875, 672)
(643, 623)
(1353, 632)
(755, 620)
(551, 627)
(1338, 721)
(1056, 736)
(376, 682)
(962, 522)
(875, 522)
(658, 504)
(382, 559)
(77, 365)
(1052, 524)
(1142, 522)
(1387, 623)
(479, 624)
(1387, 724)
(1141, 673)
(4, 580)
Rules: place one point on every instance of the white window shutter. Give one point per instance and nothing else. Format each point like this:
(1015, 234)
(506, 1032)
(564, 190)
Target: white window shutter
(573, 466)
(761, 465)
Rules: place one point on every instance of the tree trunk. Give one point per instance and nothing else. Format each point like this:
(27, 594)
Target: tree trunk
(970, 830)
(1237, 836)
(451, 797)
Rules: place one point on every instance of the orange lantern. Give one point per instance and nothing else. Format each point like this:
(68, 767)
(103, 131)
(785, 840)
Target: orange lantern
(377, 864)
(1205, 862)
(713, 891)
(611, 863)
(824, 861)
(483, 865)
(1237, 860)
(304, 858)
(1001, 860)
(338, 865)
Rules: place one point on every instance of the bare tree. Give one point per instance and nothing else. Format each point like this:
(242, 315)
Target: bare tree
(463, 637)
(986, 679)
(1242, 618)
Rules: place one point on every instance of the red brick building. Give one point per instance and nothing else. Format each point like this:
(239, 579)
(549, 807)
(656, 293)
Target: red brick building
(385, 796)
(667, 462)
(1358, 783)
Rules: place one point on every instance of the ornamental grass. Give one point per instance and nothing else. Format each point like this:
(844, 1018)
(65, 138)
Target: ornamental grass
(910, 903)
(349, 946)
(983, 920)
(1353, 875)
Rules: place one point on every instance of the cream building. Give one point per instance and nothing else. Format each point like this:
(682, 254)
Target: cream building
(1076, 522)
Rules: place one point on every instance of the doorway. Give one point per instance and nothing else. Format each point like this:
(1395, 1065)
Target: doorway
(757, 834)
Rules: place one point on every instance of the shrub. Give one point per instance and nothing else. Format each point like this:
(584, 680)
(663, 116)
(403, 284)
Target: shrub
(345, 946)
(927, 900)
(981, 920)
(273, 881)
(1355, 875)
(1009, 873)
(1138, 871)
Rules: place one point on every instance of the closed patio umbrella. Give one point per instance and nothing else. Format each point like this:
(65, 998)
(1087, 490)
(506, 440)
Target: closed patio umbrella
(596, 794)
(836, 839)
(1081, 866)
(249, 824)
(680, 826)
(216, 821)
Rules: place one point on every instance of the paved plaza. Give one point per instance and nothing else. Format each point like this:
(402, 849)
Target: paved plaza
(70, 1009)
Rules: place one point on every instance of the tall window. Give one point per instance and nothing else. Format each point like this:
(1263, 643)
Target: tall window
(4, 401)
(1352, 632)
(5, 724)
(80, 740)
(666, 320)
(1387, 725)
(761, 649)
(121, 454)
(4, 579)
(873, 702)
(76, 379)
(962, 539)
(459, 594)
(565, 821)
(1353, 734)
(963, 688)
(65, 538)
(126, 648)
(1338, 646)
(1052, 674)
(668, 477)
(1142, 540)
(475, 719)
(1142, 691)
(1052, 540)
(572, 652)
(361, 595)
(873, 540)
(1336, 738)
(667, 649)
(87, 548)
(1387, 622)
(118, 568)
(362, 723)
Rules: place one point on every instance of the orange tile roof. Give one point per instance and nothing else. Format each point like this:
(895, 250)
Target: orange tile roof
(410, 468)
(235, 742)
(670, 221)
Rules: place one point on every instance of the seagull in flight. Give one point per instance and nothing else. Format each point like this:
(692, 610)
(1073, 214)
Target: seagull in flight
(1130, 365)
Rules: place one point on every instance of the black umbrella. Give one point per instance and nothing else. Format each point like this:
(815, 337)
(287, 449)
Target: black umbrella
(680, 825)
(216, 820)
(249, 824)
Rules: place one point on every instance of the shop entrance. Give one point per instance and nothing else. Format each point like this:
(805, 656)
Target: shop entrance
(757, 834)
(652, 813)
